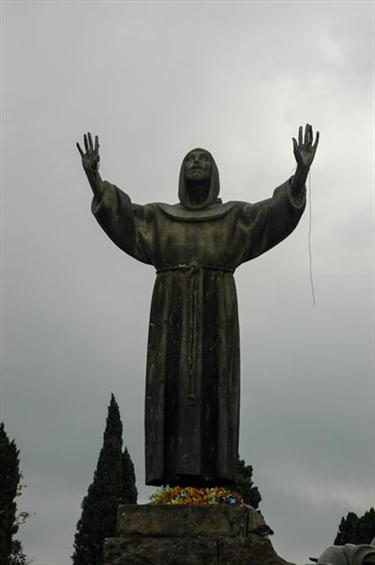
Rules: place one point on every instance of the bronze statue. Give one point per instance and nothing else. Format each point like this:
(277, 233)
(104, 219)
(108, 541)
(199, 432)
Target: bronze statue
(193, 361)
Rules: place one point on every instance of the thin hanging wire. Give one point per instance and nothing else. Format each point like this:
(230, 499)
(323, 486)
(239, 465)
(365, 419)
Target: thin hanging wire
(309, 244)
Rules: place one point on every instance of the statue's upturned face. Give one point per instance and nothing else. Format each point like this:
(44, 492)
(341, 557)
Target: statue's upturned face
(197, 166)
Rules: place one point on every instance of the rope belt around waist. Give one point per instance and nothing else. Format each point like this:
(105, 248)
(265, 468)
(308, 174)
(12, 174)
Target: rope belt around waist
(194, 266)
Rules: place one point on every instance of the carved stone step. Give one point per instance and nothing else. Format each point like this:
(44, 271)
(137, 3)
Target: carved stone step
(189, 535)
(131, 550)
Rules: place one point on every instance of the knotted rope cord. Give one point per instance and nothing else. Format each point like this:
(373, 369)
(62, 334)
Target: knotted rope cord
(309, 244)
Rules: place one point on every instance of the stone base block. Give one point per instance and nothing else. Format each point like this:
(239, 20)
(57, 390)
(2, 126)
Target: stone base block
(189, 535)
(186, 521)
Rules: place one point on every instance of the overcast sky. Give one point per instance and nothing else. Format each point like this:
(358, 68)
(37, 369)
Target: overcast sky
(155, 79)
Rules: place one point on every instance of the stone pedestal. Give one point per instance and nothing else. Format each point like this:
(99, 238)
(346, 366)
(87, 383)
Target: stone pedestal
(189, 535)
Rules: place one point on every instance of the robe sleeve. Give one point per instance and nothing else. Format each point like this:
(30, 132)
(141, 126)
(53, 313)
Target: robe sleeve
(268, 222)
(130, 226)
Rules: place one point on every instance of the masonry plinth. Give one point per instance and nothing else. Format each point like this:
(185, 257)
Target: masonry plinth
(190, 535)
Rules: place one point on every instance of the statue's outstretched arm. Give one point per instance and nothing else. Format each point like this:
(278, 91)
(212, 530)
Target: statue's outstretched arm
(90, 163)
(304, 152)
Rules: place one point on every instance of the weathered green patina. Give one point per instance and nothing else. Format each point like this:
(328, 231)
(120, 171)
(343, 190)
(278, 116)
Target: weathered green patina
(193, 362)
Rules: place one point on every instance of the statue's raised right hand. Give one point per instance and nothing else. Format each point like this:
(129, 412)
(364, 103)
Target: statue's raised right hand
(90, 157)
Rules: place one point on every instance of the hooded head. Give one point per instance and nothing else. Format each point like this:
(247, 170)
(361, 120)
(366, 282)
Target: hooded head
(199, 183)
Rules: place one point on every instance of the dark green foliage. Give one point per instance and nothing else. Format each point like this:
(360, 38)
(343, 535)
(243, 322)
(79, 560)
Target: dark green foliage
(18, 557)
(9, 479)
(357, 530)
(347, 529)
(99, 507)
(244, 484)
(114, 481)
(366, 527)
(129, 493)
(10, 476)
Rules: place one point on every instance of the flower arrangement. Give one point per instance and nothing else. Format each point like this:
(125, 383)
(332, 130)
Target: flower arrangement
(192, 495)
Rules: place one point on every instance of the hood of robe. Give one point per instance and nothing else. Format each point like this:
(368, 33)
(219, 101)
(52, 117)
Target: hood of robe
(214, 185)
(211, 208)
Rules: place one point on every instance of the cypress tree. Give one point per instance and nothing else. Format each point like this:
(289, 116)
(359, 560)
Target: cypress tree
(366, 527)
(347, 529)
(356, 530)
(244, 484)
(99, 507)
(10, 477)
(18, 557)
(129, 493)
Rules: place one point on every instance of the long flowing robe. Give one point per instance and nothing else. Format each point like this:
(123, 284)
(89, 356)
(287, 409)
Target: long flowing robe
(193, 360)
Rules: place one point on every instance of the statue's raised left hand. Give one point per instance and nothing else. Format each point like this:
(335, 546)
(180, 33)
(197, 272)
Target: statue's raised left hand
(304, 150)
